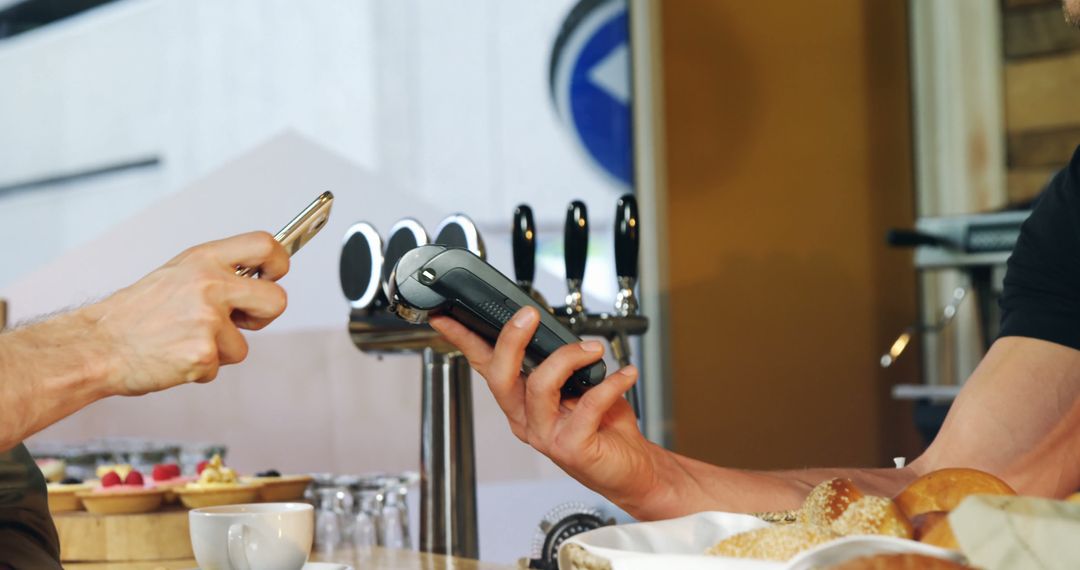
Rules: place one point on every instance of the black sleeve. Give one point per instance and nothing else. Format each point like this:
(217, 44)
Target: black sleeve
(1041, 298)
(27, 535)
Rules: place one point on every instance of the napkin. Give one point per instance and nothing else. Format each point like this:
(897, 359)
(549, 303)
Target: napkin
(999, 532)
(681, 543)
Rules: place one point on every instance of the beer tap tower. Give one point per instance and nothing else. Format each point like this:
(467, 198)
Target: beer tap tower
(447, 458)
(625, 322)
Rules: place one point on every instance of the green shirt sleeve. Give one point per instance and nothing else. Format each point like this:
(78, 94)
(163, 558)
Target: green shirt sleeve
(27, 534)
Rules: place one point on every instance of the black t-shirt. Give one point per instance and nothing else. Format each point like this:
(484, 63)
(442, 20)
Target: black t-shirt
(1042, 285)
(27, 534)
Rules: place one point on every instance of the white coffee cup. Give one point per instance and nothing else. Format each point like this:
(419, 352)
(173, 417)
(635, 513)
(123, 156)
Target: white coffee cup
(270, 536)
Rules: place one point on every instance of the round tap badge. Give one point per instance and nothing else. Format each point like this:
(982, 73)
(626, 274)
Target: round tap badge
(589, 77)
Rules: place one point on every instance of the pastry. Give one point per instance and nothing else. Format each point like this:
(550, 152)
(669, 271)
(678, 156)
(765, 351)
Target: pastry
(214, 474)
(898, 562)
(944, 489)
(121, 469)
(216, 485)
(828, 501)
(62, 495)
(275, 487)
(933, 528)
(873, 515)
(52, 469)
(167, 477)
(778, 542)
(122, 496)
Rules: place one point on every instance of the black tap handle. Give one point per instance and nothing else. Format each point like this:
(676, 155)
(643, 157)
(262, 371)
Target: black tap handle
(626, 237)
(524, 244)
(576, 240)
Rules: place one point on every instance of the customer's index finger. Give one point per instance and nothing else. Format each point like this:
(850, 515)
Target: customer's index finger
(256, 250)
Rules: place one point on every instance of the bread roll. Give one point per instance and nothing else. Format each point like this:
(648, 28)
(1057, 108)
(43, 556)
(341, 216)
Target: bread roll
(943, 490)
(778, 543)
(873, 515)
(933, 528)
(898, 562)
(828, 501)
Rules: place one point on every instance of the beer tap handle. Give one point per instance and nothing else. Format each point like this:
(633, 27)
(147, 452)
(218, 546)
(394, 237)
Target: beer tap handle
(576, 240)
(524, 245)
(626, 237)
(575, 251)
(626, 254)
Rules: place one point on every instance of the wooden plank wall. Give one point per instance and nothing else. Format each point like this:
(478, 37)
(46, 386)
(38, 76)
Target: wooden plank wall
(1042, 80)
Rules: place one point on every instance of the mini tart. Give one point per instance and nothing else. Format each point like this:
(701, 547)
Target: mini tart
(170, 486)
(122, 469)
(122, 500)
(52, 469)
(198, 495)
(280, 489)
(63, 499)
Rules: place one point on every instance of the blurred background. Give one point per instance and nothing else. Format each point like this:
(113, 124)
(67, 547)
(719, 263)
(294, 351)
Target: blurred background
(772, 147)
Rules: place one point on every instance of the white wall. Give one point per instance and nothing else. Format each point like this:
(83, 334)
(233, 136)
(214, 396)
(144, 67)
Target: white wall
(449, 100)
(404, 107)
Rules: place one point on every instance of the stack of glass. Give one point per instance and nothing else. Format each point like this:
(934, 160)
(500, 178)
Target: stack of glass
(361, 511)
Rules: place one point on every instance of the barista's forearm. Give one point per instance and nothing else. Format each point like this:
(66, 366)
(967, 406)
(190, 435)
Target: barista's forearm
(688, 486)
(48, 371)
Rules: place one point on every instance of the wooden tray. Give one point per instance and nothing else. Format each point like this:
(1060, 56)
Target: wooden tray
(161, 535)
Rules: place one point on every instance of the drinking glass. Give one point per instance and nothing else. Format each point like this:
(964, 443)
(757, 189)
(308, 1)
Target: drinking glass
(328, 533)
(365, 528)
(395, 512)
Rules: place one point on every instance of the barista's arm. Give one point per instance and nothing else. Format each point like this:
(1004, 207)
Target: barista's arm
(177, 324)
(1018, 417)
(1011, 404)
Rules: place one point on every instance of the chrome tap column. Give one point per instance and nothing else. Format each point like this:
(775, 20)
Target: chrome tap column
(447, 458)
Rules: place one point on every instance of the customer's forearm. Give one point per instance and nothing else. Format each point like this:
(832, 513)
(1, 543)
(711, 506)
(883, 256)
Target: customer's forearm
(688, 486)
(48, 371)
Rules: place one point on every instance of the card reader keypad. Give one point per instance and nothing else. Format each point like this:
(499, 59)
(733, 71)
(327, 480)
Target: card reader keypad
(497, 311)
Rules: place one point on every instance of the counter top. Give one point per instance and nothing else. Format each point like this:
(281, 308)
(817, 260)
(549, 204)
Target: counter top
(378, 558)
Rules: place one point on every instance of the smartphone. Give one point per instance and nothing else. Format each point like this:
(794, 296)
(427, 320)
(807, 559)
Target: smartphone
(301, 229)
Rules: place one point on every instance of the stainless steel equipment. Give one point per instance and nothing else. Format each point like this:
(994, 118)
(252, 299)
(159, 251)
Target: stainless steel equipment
(575, 253)
(447, 459)
(625, 322)
(448, 471)
(976, 247)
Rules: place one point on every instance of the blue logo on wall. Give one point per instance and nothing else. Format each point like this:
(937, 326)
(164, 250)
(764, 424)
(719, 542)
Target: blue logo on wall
(589, 78)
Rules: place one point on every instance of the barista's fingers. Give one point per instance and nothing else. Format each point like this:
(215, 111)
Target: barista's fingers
(477, 350)
(504, 370)
(585, 420)
(508, 391)
(543, 390)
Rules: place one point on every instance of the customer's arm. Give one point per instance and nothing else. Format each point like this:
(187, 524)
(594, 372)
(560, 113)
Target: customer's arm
(178, 324)
(1011, 404)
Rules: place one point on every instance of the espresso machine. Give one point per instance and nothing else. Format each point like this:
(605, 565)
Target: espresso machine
(975, 248)
(448, 520)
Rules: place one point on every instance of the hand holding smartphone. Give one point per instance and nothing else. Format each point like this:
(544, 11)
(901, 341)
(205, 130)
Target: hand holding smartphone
(301, 229)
